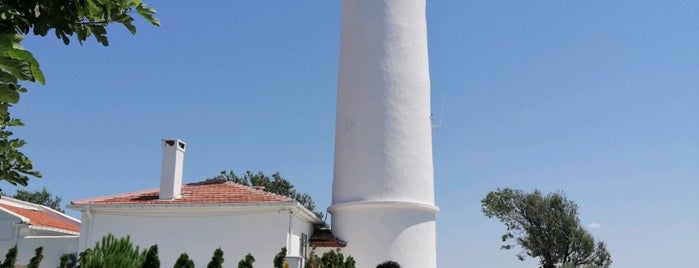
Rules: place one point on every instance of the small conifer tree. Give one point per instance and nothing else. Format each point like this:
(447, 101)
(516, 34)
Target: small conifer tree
(64, 261)
(247, 261)
(184, 262)
(36, 260)
(152, 260)
(279, 258)
(10, 258)
(216, 260)
(388, 264)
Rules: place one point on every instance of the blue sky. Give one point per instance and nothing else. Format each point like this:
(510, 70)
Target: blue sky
(597, 99)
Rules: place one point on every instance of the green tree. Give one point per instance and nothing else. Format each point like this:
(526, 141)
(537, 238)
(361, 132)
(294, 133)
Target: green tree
(151, 260)
(545, 227)
(112, 252)
(64, 261)
(18, 18)
(330, 259)
(42, 197)
(36, 260)
(10, 258)
(279, 258)
(216, 260)
(274, 184)
(388, 264)
(184, 262)
(247, 261)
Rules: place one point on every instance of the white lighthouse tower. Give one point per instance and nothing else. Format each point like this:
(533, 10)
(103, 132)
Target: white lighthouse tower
(383, 185)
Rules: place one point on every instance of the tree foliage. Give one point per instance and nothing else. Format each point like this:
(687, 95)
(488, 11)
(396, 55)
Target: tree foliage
(217, 259)
(247, 261)
(64, 261)
(152, 260)
(330, 259)
(18, 18)
(112, 252)
(279, 258)
(273, 184)
(42, 197)
(35, 261)
(388, 264)
(545, 227)
(10, 258)
(184, 262)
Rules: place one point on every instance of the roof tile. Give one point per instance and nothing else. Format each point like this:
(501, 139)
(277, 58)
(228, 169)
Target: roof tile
(193, 193)
(43, 219)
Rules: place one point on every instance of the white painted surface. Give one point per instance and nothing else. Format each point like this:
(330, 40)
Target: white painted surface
(28, 238)
(54, 247)
(171, 171)
(198, 231)
(383, 186)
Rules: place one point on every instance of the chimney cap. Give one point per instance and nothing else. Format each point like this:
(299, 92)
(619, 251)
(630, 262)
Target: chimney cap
(171, 142)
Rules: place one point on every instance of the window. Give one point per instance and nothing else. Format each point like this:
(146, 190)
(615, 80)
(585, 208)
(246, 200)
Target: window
(303, 246)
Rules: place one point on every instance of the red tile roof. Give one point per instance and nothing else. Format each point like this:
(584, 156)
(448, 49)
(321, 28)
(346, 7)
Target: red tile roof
(193, 193)
(40, 218)
(324, 238)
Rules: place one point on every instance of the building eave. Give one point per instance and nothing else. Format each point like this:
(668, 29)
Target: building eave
(51, 229)
(293, 206)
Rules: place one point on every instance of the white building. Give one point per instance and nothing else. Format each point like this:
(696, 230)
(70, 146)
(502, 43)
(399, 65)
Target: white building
(383, 185)
(30, 226)
(200, 217)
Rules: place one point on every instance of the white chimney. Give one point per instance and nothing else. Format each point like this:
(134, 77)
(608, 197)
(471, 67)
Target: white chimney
(171, 172)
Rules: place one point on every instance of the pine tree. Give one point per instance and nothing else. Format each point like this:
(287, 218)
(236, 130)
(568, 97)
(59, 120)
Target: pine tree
(184, 262)
(217, 259)
(36, 260)
(152, 260)
(247, 261)
(112, 252)
(10, 258)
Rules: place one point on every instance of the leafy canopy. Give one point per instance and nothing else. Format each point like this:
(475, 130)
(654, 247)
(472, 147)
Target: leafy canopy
(273, 184)
(545, 227)
(79, 18)
(42, 197)
(330, 259)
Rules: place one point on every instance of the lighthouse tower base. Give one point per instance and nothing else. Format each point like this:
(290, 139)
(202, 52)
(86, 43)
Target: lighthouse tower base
(388, 231)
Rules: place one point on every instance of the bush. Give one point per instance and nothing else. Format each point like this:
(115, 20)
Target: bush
(330, 259)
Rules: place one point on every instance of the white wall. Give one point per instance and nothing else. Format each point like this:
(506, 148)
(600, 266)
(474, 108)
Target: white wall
(198, 232)
(54, 247)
